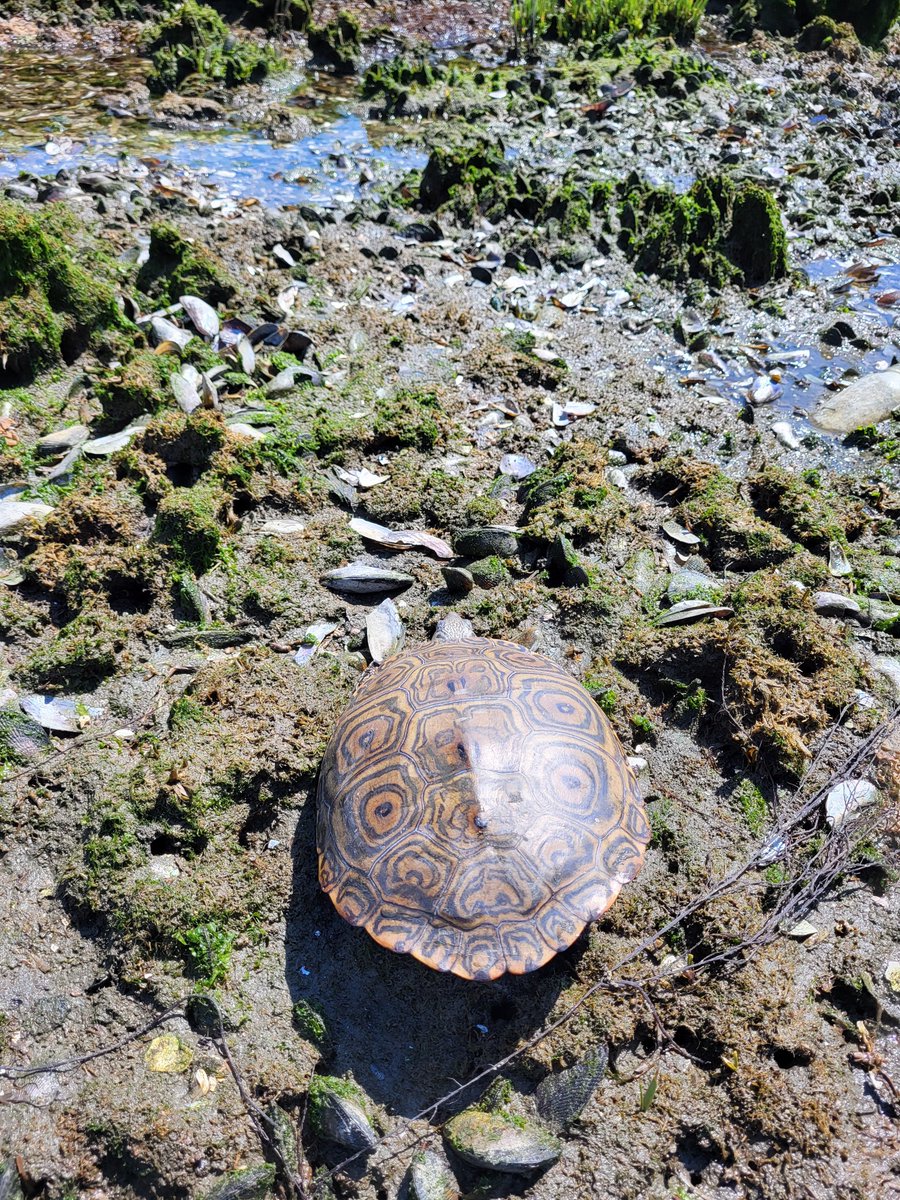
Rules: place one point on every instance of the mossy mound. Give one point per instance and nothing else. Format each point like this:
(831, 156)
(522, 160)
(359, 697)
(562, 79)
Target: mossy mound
(189, 522)
(474, 178)
(711, 505)
(132, 389)
(178, 266)
(50, 306)
(93, 547)
(408, 419)
(719, 230)
(571, 496)
(85, 652)
(782, 674)
(192, 43)
(824, 33)
(807, 509)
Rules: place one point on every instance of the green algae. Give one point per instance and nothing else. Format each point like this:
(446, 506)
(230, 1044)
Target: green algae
(192, 41)
(718, 230)
(177, 266)
(592, 20)
(50, 305)
(570, 496)
(710, 504)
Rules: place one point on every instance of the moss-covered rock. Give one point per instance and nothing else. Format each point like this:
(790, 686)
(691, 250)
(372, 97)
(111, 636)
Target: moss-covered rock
(871, 19)
(192, 41)
(718, 230)
(178, 266)
(571, 496)
(809, 510)
(93, 547)
(338, 43)
(50, 306)
(824, 33)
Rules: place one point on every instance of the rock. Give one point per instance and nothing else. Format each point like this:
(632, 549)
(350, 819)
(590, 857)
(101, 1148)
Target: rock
(430, 1178)
(846, 799)
(866, 401)
(564, 564)
(17, 515)
(489, 572)
(62, 439)
(10, 1184)
(889, 669)
(488, 540)
(497, 1142)
(833, 604)
(361, 579)
(458, 579)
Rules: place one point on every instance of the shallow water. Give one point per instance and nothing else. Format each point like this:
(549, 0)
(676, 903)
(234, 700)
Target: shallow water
(52, 116)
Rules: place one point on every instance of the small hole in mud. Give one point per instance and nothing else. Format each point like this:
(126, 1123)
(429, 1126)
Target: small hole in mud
(164, 843)
(503, 1010)
(182, 474)
(790, 1058)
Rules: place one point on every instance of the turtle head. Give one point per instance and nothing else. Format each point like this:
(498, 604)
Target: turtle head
(453, 628)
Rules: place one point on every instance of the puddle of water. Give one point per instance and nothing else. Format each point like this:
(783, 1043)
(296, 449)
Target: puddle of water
(806, 371)
(50, 119)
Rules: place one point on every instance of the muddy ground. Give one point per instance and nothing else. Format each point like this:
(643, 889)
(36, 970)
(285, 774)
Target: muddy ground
(167, 849)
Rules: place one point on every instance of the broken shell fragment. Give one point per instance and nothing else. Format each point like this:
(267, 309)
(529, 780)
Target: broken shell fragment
(399, 539)
(847, 798)
(679, 534)
(59, 714)
(562, 1097)
(693, 610)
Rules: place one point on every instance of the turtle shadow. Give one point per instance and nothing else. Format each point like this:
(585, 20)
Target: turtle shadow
(407, 1033)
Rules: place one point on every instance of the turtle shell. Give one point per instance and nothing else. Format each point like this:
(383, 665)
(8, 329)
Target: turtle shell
(475, 809)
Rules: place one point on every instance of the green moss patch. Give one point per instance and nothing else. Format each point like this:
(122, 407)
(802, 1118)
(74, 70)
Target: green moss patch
(178, 266)
(189, 523)
(571, 496)
(870, 19)
(50, 306)
(85, 652)
(338, 43)
(719, 230)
